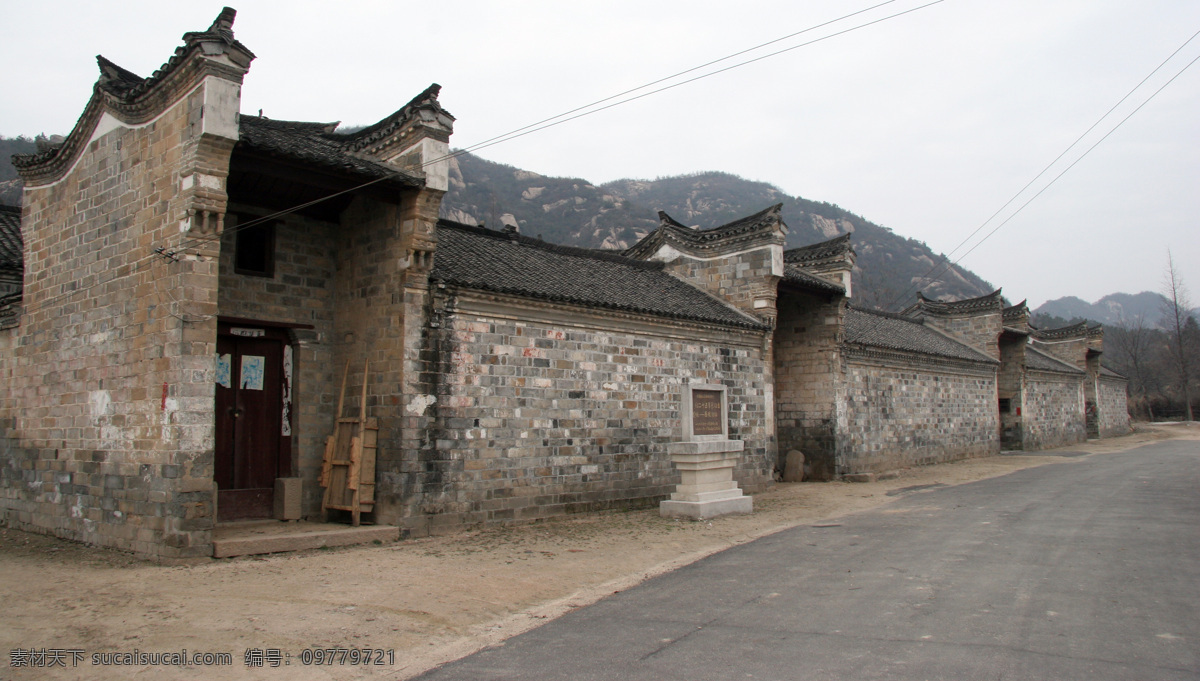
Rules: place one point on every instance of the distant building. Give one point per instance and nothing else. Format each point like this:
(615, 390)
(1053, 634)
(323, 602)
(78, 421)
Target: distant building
(187, 284)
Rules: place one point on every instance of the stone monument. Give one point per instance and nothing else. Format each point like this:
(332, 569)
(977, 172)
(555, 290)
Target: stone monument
(705, 458)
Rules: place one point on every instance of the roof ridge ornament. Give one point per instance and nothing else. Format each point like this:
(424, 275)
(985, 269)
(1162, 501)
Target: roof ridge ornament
(221, 27)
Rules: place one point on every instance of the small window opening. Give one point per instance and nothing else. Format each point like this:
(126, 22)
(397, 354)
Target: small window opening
(254, 250)
(1005, 405)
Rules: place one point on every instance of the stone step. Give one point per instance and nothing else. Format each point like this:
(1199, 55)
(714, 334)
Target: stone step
(276, 537)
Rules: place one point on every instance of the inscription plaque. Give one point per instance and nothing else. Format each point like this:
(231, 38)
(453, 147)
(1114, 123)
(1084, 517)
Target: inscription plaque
(706, 412)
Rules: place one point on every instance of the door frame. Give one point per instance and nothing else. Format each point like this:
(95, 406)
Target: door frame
(258, 502)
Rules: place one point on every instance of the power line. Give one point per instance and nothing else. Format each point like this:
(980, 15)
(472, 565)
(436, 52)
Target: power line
(564, 117)
(925, 278)
(1081, 157)
(589, 109)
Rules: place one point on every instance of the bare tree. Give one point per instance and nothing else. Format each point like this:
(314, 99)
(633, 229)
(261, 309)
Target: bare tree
(1176, 311)
(1131, 342)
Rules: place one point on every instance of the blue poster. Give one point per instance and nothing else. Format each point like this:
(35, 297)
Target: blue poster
(223, 378)
(252, 372)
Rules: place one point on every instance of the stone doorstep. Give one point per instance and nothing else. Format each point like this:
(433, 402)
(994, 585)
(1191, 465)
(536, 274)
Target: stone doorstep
(703, 510)
(247, 539)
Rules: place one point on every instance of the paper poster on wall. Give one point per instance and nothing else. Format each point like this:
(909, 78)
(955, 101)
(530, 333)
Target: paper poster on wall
(252, 372)
(287, 391)
(223, 378)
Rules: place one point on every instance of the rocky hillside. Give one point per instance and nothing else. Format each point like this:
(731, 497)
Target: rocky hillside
(616, 214)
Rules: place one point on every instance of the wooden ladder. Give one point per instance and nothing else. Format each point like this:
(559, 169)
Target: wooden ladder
(348, 470)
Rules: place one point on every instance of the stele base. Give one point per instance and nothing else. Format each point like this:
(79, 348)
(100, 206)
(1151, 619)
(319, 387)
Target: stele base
(706, 489)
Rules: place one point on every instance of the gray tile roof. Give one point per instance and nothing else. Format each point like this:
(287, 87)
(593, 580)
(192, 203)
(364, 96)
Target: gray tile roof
(1071, 331)
(798, 276)
(10, 309)
(479, 258)
(313, 144)
(836, 246)
(991, 302)
(897, 332)
(1040, 361)
(674, 232)
(11, 250)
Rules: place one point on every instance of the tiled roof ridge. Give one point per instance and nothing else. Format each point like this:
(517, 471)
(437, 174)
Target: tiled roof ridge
(919, 337)
(220, 29)
(505, 263)
(121, 90)
(736, 226)
(314, 143)
(1077, 330)
(797, 275)
(675, 231)
(990, 301)
(379, 131)
(280, 124)
(12, 255)
(822, 249)
(1016, 309)
(560, 249)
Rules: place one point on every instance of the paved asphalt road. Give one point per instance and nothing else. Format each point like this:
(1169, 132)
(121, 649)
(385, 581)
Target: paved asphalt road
(1088, 570)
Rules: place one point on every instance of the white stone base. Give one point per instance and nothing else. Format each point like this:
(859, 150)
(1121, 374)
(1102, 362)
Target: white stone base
(703, 510)
(706, 488)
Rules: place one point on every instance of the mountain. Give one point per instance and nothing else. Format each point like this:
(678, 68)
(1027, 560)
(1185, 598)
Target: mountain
(617, 214)
(1111, 309)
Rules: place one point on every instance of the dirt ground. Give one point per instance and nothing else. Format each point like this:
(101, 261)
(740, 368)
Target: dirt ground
(429, 600)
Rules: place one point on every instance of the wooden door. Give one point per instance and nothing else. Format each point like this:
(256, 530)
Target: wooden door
(252, 448)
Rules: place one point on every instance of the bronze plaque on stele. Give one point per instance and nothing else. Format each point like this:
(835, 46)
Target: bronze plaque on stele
(706, 412)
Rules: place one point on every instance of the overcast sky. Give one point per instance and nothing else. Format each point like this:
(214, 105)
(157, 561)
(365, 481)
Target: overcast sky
(926, 123)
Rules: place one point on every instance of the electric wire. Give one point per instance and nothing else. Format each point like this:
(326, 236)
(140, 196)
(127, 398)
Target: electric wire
(947, 265)
(587, 110)
(575, 113)
(1081, 157)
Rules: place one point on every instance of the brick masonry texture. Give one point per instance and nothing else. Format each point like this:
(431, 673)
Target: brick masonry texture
(979, 330)
(491, 408)
(109, 400)
(914, 413)
(808, 385)
(537, 418)
(1113, 405)
(1053, 413)
(739, 278)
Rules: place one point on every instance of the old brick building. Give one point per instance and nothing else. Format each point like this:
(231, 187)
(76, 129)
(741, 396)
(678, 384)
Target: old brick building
(193, 282)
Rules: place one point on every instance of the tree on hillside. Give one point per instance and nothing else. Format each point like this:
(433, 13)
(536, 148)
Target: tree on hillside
(1131, 344)
(1176, 313)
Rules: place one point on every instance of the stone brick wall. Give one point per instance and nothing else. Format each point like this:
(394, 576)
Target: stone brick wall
(1113, 407)
(109, 395)
(545, 410)
(1073, 351)
(1053, 411)
(746, 279)
(907, 410)
(1010, 384)
(300, 292)
(808, 381)
(980, 330)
